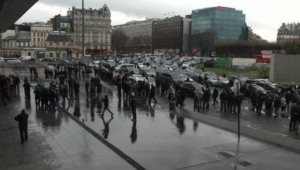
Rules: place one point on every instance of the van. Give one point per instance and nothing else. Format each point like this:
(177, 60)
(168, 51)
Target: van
(124, 67)
(25, 58)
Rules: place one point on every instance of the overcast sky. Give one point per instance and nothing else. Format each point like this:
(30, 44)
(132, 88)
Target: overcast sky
(264, 16)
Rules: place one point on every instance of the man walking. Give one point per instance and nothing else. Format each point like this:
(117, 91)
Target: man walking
(27, 90)
(106, 102)
(23, 125)
(133, 104)
(152, 95)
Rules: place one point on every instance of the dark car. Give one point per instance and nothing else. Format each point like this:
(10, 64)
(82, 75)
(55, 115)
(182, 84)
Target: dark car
(267, 86)
(241, 78)
(166, 77)
(189, 88)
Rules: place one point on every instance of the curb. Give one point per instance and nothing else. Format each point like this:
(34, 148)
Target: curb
(286, 142)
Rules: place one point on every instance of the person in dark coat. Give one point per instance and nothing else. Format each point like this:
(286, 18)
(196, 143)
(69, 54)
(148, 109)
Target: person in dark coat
(260, 102)
(152, 95)
(133, 104)
(27, 90)
(294, 117)
(99, 89)
(106, 103)
(23, 125)
(119, 89)
(206, 98)
(215, 96)
(87, 87)
(76, 90)
(223, 98)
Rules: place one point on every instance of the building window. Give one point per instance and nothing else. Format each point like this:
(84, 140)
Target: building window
(50, 43)
(64, 43)
(38, 39)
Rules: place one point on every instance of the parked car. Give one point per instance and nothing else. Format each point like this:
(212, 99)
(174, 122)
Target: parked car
(12, 60)
(219, 82)
(167, 77)
(124, 66)
(241, 78)
(147, 72)
(189, 88)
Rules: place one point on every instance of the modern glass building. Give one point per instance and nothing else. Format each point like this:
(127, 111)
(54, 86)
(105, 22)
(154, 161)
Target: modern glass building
(229, 23)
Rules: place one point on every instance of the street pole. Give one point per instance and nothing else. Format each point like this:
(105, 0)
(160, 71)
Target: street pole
(83, 52)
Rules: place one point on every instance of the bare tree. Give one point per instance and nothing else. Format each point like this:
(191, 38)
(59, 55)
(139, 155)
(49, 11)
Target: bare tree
(119, 39)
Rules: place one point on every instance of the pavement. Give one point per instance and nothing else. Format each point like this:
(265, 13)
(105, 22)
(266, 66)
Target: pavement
(56, 142)
(161, 139)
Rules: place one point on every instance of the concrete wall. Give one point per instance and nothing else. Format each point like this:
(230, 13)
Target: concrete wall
(285, 68)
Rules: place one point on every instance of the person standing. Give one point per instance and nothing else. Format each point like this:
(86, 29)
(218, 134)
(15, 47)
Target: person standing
(76, 90)
(23, 125)
(152, 95)
(83, 72)
(27, 90)
(106, 103)
(223, 98)
(206, 98)
(294, 117)
(133, 104)
(277, 106)
(119, 89)
(200, 96)
(215, 96)
(87, 87)
(17, 83)
(196, 101)
(283, 107)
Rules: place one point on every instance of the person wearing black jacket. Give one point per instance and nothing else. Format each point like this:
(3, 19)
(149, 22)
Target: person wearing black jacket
(76, 90)
(277, 106)
(133, 104)
(260, 102)
(27, 90)
(87, 87)
(17, 83)
(206, 98)
(23, 125)
(223, 98)
(99, 89)
(106, 103)
(215, 96)
(294, 117)
(152, 95)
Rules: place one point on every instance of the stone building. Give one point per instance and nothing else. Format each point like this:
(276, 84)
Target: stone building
(58, 46)
(288, 33)
(171, 35)
(97, 27)
(39, 34)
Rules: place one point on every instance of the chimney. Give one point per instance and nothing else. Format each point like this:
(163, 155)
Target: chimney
(17, 30)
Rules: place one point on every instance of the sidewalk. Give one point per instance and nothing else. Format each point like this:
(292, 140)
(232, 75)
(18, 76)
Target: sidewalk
(55, 142)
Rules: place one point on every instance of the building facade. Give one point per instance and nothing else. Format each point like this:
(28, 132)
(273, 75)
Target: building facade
(97, 27)
(288, 33)
(58, 46)
(61, 23)
(136, 28)
(39, 34)
(252, 37)
(228, 23)
(171, 35)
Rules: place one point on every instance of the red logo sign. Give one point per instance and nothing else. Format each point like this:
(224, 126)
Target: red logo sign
(221, 9)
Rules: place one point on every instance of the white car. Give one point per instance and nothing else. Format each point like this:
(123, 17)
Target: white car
(12, 60)
(219, 82)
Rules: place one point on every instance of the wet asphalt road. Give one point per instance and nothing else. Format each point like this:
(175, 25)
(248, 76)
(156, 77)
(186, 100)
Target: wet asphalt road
(165, 140)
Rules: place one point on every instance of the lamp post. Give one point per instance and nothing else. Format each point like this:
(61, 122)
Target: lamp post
(83, 52)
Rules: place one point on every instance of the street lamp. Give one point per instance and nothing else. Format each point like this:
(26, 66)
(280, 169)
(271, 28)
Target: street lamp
(83, 52)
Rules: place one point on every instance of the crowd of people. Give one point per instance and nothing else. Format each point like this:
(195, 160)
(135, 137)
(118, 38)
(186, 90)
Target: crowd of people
(66, 84)
(8, 85)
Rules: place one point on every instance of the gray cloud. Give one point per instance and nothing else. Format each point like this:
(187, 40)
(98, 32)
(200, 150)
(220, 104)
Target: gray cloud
(265, 16)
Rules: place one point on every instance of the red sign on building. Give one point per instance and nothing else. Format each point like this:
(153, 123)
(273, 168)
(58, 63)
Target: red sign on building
(221, 9)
